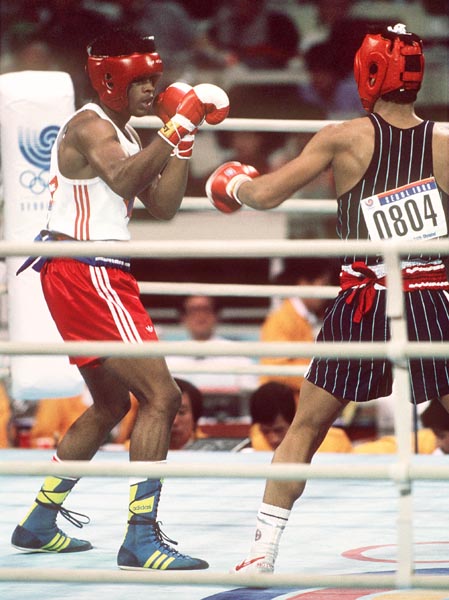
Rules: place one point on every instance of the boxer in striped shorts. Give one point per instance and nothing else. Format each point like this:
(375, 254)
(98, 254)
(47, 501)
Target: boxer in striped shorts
(392, 181)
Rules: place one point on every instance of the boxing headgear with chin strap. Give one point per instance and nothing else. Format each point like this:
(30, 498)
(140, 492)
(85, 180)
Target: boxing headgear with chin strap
(111, 75)
(392, 60)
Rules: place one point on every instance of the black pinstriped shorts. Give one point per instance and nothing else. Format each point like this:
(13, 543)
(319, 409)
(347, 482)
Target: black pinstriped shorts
(366, 379)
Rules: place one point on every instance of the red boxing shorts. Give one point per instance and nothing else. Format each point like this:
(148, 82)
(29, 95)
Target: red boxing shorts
(94, 304)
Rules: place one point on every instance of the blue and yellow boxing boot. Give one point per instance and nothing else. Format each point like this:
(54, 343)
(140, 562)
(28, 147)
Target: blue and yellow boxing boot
(38, 531)
(145, 547)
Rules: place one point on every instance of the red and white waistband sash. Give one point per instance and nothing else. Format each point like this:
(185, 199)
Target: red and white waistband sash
(414, 278)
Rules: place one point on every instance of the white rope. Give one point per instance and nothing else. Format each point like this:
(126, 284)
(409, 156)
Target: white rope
(425, 582)
(399, 472)
(238, 290)
(220, 248)
(393, 349)
(230, 124)
(234, 124)
(293, 205)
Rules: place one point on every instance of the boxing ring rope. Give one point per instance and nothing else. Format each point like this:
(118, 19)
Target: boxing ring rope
(399, 473)
(402, 472)
(314, 206)
(230, 249)
(237, 290)
(230, 124)
(98, 576)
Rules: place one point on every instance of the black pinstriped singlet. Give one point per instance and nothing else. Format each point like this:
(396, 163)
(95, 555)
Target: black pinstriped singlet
(400, 156)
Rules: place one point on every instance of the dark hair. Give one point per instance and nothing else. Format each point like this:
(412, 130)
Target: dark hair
(321, 57)
(307, 268)
(121, 42)
(270, 400)
(401, 96)
(435, 416)
(183, 301)
(195, 396)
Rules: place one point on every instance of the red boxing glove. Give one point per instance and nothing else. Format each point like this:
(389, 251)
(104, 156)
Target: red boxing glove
(215, 100)
(204, 101)
(166, 103)
(185, 147)
(223, 185)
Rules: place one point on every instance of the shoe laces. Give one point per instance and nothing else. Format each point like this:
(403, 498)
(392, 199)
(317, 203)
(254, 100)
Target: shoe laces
(75, 518)
(162, 538)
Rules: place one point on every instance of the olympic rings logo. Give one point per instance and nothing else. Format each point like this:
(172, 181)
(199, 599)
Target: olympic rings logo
(35, 182)
(36, 149)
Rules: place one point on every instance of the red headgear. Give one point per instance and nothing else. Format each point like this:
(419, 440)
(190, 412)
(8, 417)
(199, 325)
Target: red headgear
(111, 75)
(389, 61)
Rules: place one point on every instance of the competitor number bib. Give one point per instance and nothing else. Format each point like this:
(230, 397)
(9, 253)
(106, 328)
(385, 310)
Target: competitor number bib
(411, 212)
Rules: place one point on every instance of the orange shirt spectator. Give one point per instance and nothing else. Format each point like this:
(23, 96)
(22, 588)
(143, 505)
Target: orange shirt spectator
(272, 408)
(336, 440)
(432, 439)
(297, 319)
(388, 445)
(54, 416)
(5, 416)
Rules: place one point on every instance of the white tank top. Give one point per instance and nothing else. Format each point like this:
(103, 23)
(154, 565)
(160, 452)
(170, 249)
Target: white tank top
(87, 209)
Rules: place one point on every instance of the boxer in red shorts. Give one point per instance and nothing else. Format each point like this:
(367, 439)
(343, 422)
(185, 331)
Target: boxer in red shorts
(97, 169)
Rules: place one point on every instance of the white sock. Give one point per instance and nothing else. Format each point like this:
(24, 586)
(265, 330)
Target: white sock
(271, 522)
(55, 458)
(274, 514)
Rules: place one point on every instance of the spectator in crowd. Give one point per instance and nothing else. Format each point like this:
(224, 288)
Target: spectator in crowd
(28, 51)
(433, 438)
(329, 87)
(71, 26)
(200, 10)
(328, 15)
(199, 316)
(387, 444)
(176, 33)
(249, 147)
(298, 318)
(337, 25)
(54, 416)
(56, 33)
(266, 150)
(185, 426)
(436, 418)
(250, 33)
(252, 147)
(5, 417)
(272, 408)
(270, 150)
